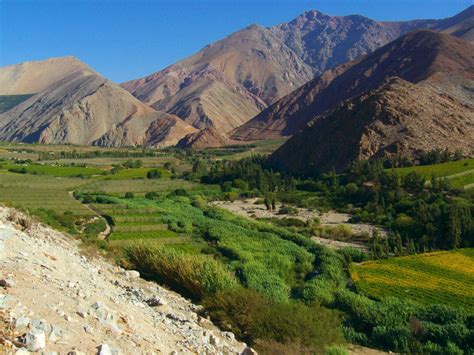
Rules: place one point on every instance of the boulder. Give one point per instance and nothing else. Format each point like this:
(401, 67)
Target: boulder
(35, 340)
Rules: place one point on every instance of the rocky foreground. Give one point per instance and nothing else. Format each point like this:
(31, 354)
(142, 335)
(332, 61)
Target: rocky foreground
(55, 300)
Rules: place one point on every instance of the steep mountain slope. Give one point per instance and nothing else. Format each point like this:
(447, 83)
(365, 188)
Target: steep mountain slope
(413, 57)
(227, 82)
(232, 80)
(399, 118)
(430, 106)
(71, 103)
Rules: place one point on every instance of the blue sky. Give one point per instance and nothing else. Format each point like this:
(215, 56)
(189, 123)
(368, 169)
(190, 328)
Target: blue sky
(127, 39)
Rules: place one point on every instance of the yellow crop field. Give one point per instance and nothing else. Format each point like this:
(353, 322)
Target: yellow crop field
(442, 277)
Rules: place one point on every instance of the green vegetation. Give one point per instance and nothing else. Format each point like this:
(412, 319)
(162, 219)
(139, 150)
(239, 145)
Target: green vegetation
(33, 192)
(440, 170)
(267, 280)
(52, 170)
(440, 277)
(7, 102)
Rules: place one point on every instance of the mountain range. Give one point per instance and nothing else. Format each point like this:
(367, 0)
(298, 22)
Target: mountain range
(257, 83)
(408, 97)
(68, 102)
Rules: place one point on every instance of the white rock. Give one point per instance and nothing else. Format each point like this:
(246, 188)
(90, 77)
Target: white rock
(105, 349)
(132, 274)
(35, 340)
(22, 322)
(22, 352)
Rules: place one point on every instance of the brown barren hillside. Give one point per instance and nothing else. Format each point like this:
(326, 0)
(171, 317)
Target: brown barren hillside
(227, 82)
(205, 138)
(71, 103)
(414, 57)
(230, 81)
(398, 118)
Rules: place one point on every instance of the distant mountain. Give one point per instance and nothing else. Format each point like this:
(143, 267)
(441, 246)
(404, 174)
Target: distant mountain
(413, 57)
(227, 83)
(68, 102)
(412, 95)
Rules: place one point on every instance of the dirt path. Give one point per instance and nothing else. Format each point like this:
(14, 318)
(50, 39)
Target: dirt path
(104, 234)
(64, 301)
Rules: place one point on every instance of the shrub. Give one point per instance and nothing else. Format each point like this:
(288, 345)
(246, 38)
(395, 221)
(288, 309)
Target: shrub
(259, 321)
(129, 195)
(195, 275)
(287, 210)
(336, 350)
(153, 174)
(199, 202)
(151, 195)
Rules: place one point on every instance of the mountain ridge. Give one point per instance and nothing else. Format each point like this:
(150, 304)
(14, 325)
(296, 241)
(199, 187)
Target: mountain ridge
(424, 104)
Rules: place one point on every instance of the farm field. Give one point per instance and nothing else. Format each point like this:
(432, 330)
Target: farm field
(441, 277)
(134, 173)
(39, 191)
(54, 170)
(440, 170)
(265, 261)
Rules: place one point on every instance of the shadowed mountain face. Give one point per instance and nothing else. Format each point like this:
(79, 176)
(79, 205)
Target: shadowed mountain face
(227, 83)
(71, 103)
(428, 105)
(413, 57)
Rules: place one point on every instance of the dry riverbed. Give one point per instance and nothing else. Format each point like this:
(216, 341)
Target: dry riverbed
(249, 209)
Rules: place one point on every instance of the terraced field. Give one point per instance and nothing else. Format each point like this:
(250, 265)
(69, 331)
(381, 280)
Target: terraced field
(131, 223)
(36, 191)
(440, 277)
(141, 186)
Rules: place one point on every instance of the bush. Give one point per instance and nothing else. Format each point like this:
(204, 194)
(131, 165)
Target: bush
(195, 275)
(336, 350)
(151, 195)
(153, 174)
(129, 195)
(259, 321)
(199, 202)
(288, 210)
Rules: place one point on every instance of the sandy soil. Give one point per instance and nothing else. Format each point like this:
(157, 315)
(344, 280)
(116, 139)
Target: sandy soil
(249, 209)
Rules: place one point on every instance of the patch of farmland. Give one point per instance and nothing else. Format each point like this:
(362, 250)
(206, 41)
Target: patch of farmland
(32, 192)
(440, 170)
(135, 173)
(441, 277)
(55, 170)
(120, 187)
